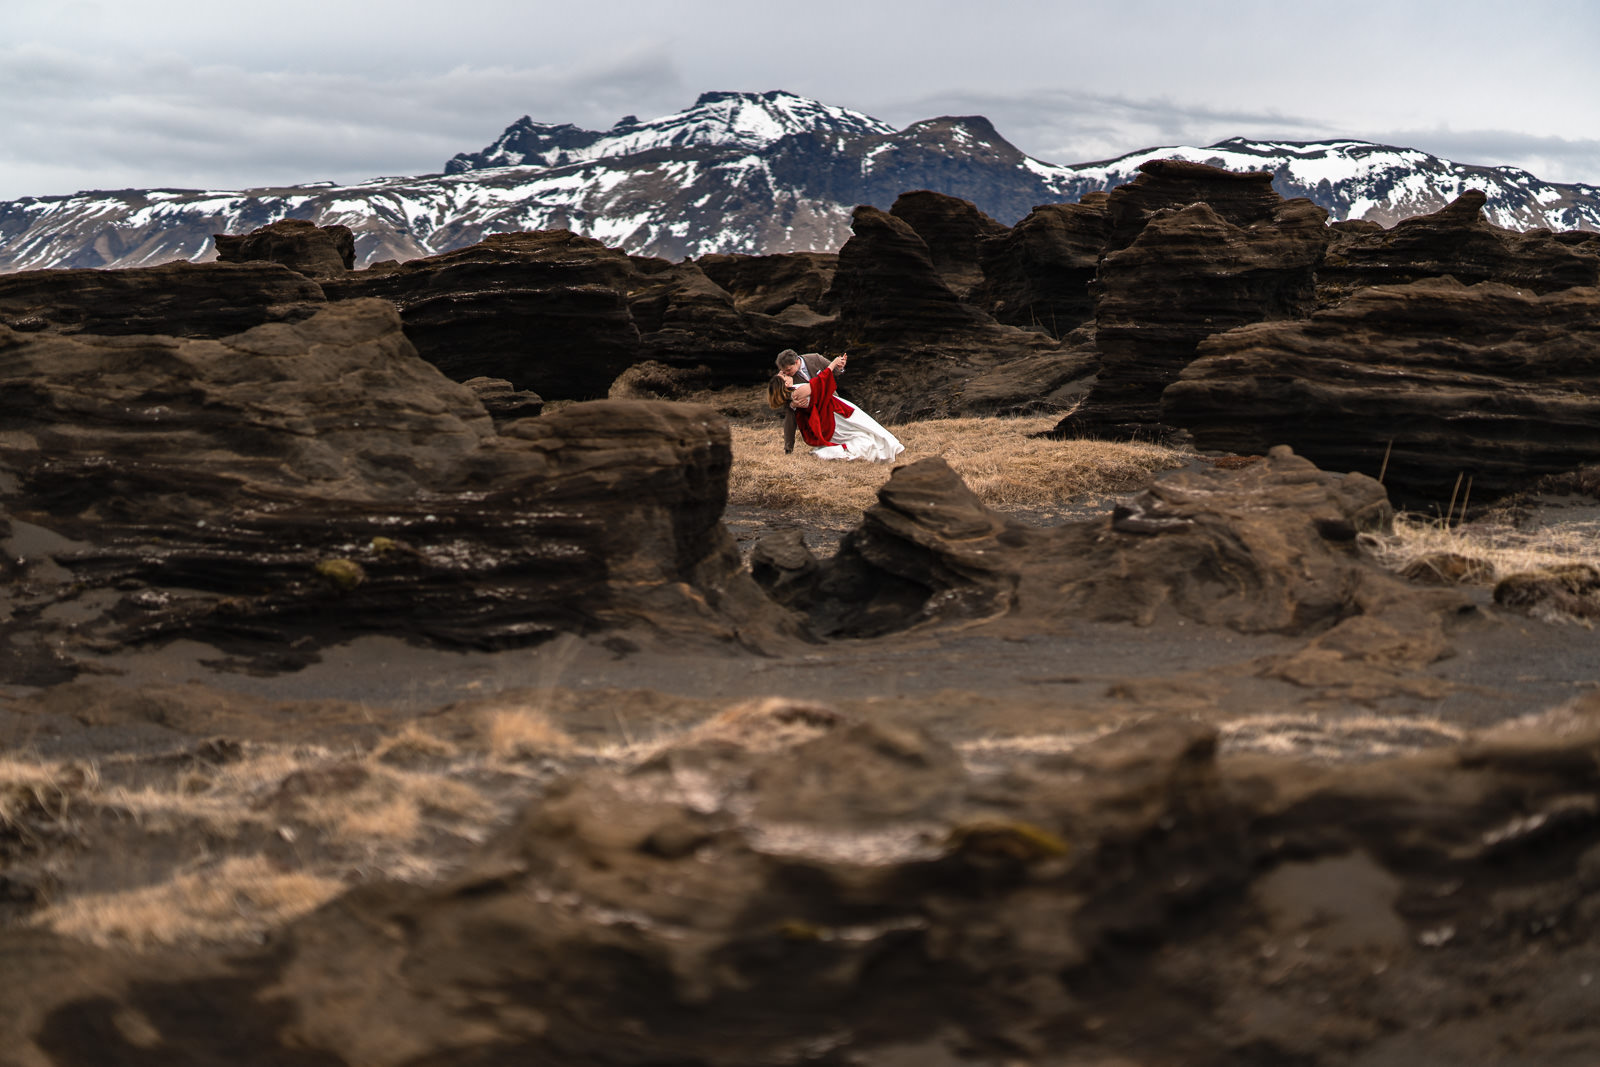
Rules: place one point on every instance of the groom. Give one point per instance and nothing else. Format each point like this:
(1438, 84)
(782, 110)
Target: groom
(801, 368)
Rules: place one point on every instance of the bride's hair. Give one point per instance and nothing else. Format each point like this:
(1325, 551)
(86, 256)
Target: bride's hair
(777, 393)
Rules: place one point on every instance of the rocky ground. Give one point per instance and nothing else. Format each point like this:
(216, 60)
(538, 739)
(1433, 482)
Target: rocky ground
(1207, 833)
(358, 707)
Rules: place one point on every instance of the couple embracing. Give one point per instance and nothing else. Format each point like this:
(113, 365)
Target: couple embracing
(807, 389)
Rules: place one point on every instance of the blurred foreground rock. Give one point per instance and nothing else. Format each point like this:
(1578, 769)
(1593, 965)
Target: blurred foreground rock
(789, 884)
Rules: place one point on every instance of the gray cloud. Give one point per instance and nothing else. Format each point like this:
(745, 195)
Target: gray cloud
(192, 93)
(78, 121)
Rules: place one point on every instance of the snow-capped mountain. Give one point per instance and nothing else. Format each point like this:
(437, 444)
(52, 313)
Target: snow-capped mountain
(1361, 180)
(737, 172)
(749, 121)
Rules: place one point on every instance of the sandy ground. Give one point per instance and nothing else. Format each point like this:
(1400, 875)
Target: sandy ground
(994, 680)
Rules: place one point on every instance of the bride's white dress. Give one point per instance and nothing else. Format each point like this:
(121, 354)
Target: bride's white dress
(859, 436)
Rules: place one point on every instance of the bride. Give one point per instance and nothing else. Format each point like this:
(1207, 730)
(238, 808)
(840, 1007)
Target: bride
(829, 424)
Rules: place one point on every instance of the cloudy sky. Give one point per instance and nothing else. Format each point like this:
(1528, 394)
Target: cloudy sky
(106, 94)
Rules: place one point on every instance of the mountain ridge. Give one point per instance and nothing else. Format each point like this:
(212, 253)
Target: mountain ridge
(750, 173)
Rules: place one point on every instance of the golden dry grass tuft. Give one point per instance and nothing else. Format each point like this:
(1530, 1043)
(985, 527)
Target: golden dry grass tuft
(764, 725)
(518, 733)
(1498, 549)
(998, 458)
(45, 788)
(238, 899)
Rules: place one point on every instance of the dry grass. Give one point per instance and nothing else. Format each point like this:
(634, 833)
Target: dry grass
(763, 725)
(29, 788)
(519, 733)
(997, 457)
(1502, 549)
(238, 899)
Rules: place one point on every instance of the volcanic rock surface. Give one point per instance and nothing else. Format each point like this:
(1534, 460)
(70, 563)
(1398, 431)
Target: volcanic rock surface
(1267, 548)
(301, 483)
(179, 299)
(1438, 380)
(1038, 274)
(785, 877)
(1457, 242)
(297, 244)
(917, 348)
(1191, 251)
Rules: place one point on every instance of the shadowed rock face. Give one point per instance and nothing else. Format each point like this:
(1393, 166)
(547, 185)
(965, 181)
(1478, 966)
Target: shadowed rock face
(772, 285)
(316, 251)
(1456, 242)
(887, 285)
(1192, 250)
(954, 231)
(788, 878)
(917, 350)
(545, 311)
(1038, 273)
(179, 299)
(1484, 381)
(310, 482)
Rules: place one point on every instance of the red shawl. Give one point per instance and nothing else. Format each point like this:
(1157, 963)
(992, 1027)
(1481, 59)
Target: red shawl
(815, 423)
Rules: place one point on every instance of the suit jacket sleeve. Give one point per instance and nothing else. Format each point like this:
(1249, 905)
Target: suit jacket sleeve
(815, 362)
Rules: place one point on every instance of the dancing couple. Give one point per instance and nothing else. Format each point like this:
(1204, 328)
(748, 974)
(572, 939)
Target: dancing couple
(806, 389)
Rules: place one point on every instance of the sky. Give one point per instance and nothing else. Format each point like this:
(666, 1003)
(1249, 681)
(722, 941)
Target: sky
(112, 94)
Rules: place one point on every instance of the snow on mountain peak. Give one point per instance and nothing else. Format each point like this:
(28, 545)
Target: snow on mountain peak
(734, 120)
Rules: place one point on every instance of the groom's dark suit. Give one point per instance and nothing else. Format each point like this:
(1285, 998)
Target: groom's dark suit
(810, 364)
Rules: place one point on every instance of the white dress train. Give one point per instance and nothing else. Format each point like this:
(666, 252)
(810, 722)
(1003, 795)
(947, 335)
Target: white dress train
(859, 436)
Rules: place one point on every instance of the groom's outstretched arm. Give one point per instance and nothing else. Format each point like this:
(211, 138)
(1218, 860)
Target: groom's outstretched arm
(815, 361)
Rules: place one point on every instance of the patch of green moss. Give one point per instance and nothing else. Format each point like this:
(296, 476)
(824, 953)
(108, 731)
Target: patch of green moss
(344, 574)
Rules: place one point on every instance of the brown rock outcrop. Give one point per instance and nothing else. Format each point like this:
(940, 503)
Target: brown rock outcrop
(954, 231)
(689, 322)
(1483, 381)
(177, 299)
(297, 484)
(1269, 548)
(546, 311)
(1458, 242)
(887, 286)
(503, 402)
(789, 878)
(793, 282)
(1038, 274)
(1193, 250)
(316, 251)
(917, 349)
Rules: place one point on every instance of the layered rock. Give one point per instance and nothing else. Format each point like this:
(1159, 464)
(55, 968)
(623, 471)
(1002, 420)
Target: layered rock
(1192, 250)
(791, 285)
(1269, 548)
(917, 349)
(297, 484)
(545, 311)
(1457, 242)
(180, 299)
(954, 231)
(1037, 275)
(690, 322)
(1433, 383)
(787, 878)
(300, 245)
